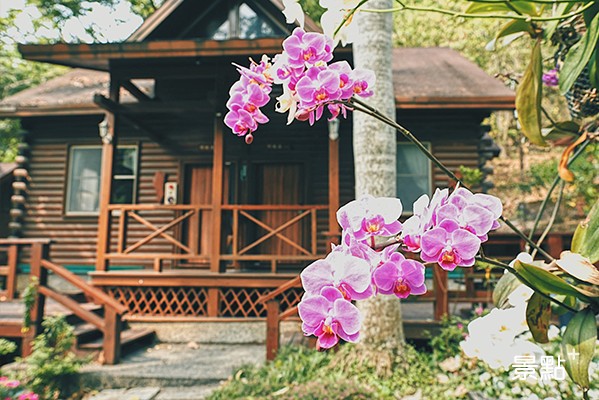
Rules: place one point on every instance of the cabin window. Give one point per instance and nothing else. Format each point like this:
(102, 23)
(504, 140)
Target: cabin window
(244, 22)
(414, 176)
(83, 180)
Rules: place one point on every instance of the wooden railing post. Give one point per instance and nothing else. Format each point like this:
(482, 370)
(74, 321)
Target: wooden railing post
(11, 277)
(39, 252)
(272, 329)
(112, 336)
(440, 282)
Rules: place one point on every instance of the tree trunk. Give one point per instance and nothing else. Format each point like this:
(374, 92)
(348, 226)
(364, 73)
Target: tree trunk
(375, 157)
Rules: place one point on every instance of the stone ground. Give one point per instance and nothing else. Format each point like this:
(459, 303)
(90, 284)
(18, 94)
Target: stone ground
(170, 371)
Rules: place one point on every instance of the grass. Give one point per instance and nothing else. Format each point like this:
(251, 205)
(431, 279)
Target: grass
(299, 373)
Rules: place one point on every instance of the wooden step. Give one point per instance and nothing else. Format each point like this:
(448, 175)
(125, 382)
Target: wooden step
(130, 338)
(86, 333)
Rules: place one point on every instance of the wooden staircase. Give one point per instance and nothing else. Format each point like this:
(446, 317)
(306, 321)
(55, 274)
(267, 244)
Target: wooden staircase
(96, 317)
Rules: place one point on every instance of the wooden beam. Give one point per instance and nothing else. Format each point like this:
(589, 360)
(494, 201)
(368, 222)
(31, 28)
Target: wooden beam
(117, 109)
(217, 192)
(272, 329)
(333, 188)
(136, 92)
(440, 282)
(108, 155)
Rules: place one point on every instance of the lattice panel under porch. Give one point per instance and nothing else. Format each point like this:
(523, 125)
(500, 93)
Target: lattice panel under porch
(162, 301)
(233, 302)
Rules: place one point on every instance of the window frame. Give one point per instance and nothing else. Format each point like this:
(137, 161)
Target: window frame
(67, 212)
(430, 174)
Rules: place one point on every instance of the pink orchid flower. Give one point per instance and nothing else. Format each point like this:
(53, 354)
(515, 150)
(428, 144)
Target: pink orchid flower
(307, 48)
(369, 216)
(329, 317)
(449, 246)
(400, 276)
(348, 274)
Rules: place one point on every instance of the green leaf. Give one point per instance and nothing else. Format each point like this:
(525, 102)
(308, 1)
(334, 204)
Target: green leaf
(546, 282)
(538, 311)
(528, 98)
(579, 55)
(578, 346)
(504, 287)
(586, 236)
(561, 129)
(514, 26)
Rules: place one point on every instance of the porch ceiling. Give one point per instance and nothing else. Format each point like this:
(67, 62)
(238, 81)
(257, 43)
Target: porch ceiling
(98, 56)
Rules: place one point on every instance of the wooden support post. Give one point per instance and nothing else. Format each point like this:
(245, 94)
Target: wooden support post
(333, 188)
(109, 143)
(555, 242)
(440, 282)
(112, 336)
(39, 252)
(272, 329)
(213, 302)
(11, 277)
(217, 192)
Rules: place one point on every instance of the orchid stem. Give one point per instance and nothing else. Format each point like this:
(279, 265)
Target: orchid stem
(551, 220)
(524, 281)
(367, 109)
(550, 191)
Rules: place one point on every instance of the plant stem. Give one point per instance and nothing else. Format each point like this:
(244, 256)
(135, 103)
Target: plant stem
(527, 18)
(524, 281)
(551, 189)
(367, 109)
(551, 220)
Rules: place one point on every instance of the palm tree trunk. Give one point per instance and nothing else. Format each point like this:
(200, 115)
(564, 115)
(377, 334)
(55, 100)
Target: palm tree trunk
(375, 157)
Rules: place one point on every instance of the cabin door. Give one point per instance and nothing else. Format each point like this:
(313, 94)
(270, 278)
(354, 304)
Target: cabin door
(280, 184)
(198, 191)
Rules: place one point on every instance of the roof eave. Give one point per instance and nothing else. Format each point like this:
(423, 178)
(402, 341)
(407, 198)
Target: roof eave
(97, 56)
(49, 111)
(473, 103)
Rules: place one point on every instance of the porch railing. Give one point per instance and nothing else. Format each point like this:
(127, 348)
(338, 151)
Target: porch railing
(302, 218)
(131, 213)
(9, 271)
(251, 233)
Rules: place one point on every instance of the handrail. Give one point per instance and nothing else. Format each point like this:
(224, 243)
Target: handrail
(288, 313)
(96, 294)
(75, 307)
(24, 241)
(158, 207)
(274, 207)
(284, 287)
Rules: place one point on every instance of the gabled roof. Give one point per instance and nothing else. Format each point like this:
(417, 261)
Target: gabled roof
(423, 78)
(176, 17)
(168, 33)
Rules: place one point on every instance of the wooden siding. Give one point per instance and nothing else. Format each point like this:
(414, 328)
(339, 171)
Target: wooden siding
(454, 137)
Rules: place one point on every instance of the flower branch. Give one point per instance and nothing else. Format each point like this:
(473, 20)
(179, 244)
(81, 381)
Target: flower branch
(458, 14)
(364, 107)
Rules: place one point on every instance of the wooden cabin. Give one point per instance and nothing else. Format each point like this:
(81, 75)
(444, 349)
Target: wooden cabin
(134, 177)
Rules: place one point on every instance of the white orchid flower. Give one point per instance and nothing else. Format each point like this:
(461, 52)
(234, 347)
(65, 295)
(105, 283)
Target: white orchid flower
(293, 12)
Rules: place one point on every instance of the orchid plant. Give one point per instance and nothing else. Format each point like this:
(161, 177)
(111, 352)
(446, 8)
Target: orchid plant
(447, 230)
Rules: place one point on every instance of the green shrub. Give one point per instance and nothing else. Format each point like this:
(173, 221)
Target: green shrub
(50, 368)
(446, 343)
(7, 347)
